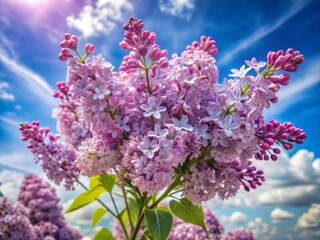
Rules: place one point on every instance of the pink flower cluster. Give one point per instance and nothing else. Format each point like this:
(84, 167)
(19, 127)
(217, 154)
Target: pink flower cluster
(156, 119)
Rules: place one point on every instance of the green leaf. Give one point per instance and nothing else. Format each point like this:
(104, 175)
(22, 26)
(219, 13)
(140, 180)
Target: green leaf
(186, 211)
(159, 223)
(104, 234)
(97, 215)
(85, 198)
(133, 209)
(94, 182)
(108, 181)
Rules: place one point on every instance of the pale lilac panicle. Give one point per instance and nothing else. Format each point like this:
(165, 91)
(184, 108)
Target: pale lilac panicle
(57, 158)
(241, 234)
(186, 231)
(94, 158)
(14, 221)
(45, 213)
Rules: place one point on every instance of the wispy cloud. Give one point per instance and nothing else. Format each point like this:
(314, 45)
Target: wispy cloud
(9, 121)
(29, 79)
(100, 18)
(3, 92)
(178, 8)
(263, 31)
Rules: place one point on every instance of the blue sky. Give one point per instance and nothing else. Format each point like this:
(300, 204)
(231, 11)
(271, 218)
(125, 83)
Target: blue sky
(30, 32)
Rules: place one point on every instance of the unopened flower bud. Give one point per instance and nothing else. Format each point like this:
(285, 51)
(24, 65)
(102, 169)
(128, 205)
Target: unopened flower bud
(88, 48)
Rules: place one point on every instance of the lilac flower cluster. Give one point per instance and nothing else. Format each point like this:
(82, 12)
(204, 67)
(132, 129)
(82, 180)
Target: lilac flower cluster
(242, 234)
(157, 119)
(73, 131)
(58, 158)
(186, 231)
(44, 210)
(14, 221)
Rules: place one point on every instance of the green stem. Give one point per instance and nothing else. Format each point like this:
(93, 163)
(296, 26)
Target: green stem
(105, 206)
(80, 58)
(119, 216)
(127, 206)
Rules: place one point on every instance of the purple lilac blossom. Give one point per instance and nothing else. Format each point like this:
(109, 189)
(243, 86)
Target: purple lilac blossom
(45, 213)
(156, 115)
(14, 221)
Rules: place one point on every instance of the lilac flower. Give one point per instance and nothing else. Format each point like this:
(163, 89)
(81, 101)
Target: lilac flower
(153, 108)
(191, 79)
(255, 65)
(100, 93)
(219, 138)
(182, 124)
(214, 115)
(239, 73)
(236, 98)
(202, 134)
(148, 148)
(228, 125)
(122, 123)
(158, 133)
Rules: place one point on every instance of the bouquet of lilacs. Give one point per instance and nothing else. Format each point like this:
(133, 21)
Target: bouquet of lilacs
(160, 129)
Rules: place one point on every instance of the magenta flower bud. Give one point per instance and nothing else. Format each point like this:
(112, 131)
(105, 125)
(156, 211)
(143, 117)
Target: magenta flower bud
(88, 48)
(74, 37)
(63, 57)
(274, 157)
(298, 59)
(67, 36)
(287, 146)
(278, 62)
(290, 51)
(270, 141)
(72, 44)
(266, 157)
(64, 44)
(285, 135)
(265, 146)
(124, 45)
(276, 150)
(289, 68)
(274, 100)
(65, 51)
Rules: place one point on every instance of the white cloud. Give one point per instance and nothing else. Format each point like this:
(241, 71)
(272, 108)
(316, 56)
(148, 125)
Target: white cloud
(178, 8)
(238, 217)
(11, 181)
(100, 18)
(3, 91)
(22, 161)
(29, 79)
(258, 227)
(263, 31)
(279, 213)
(311, 219)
